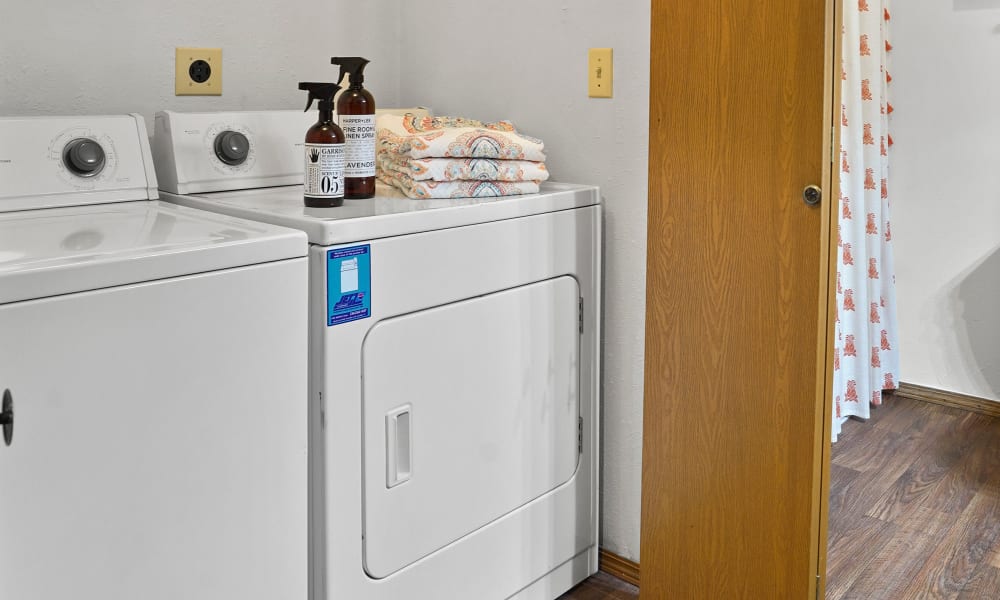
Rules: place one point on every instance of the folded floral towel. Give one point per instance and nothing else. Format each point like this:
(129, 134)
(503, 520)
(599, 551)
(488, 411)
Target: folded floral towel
(411, 123)
(455, 169)
(456, 189)
(452, 137)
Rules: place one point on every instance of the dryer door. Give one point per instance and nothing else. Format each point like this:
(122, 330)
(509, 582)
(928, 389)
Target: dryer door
(470, 411)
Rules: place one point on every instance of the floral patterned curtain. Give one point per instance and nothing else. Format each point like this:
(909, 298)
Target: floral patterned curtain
(866, 354)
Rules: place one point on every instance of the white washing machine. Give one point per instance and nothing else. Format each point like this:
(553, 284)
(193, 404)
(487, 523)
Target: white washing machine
(454, 371)
(152, 366)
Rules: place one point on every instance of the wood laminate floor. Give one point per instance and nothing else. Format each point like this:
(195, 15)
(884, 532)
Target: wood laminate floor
(915, 505)
(602, 587)
(914, 509)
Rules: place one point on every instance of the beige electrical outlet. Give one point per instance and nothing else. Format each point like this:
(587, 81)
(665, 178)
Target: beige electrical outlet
(600, 69)
(198, 72)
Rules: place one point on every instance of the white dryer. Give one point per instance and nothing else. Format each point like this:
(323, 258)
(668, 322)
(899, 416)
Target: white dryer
(152, 367)
(454, 371)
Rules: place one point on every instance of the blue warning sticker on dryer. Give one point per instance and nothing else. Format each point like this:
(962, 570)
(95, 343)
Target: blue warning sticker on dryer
(348, 284)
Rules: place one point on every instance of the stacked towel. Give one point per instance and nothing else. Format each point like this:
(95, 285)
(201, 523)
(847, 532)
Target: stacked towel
(454, 157)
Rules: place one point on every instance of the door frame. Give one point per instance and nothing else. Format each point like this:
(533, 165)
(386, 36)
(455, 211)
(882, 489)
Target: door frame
(828, 305)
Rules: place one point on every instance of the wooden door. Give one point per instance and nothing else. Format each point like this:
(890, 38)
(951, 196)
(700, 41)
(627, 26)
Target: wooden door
(736, 418)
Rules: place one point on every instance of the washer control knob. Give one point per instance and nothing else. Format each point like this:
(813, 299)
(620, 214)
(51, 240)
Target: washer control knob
(84, 156)
(232, 147)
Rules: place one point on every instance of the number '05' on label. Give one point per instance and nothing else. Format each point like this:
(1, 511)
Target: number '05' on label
(324, 172)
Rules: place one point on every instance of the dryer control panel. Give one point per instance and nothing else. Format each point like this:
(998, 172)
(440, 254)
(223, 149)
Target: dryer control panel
(197, 153)
(71, 161)
(214, 152)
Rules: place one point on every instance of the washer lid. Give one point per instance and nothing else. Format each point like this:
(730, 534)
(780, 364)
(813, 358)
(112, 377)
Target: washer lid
(64, 250)
(389, 213)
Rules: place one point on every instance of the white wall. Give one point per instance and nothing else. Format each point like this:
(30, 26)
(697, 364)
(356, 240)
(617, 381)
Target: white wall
(87, 57)
(527, 61)
(521, 60)
(945, 177)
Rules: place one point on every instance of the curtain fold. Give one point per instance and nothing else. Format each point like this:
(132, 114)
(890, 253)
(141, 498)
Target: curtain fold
(866, 352)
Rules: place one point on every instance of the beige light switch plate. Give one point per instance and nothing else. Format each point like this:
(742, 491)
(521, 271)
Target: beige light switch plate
(600, 73)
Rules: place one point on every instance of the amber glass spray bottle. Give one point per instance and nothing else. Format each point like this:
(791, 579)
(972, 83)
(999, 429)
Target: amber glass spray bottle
(356, 114)
(323, 176)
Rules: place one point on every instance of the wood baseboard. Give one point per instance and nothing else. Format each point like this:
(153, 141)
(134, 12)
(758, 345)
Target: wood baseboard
(952, 399)
(619, 567)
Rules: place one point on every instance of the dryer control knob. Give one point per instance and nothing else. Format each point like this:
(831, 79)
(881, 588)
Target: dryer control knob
(84, 156)
(232, 147)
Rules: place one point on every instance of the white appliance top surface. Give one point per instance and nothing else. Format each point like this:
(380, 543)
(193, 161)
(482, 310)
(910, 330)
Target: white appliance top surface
(65, 250)
(389, 213)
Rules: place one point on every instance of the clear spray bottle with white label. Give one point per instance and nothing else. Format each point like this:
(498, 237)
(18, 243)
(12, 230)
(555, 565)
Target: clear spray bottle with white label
(323, 176)
(356, 114)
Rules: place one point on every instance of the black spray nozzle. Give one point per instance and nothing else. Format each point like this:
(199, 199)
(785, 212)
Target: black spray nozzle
(355, 65)
(324, 92)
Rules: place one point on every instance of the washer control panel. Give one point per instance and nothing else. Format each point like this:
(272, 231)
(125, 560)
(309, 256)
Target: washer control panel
(69, 161)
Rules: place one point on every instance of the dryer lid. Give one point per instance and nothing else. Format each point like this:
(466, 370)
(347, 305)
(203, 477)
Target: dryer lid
(388, 214)
(65, 250)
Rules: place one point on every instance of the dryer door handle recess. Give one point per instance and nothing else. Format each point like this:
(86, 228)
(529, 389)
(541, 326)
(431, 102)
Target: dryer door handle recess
(398, 446)
(7, 417)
